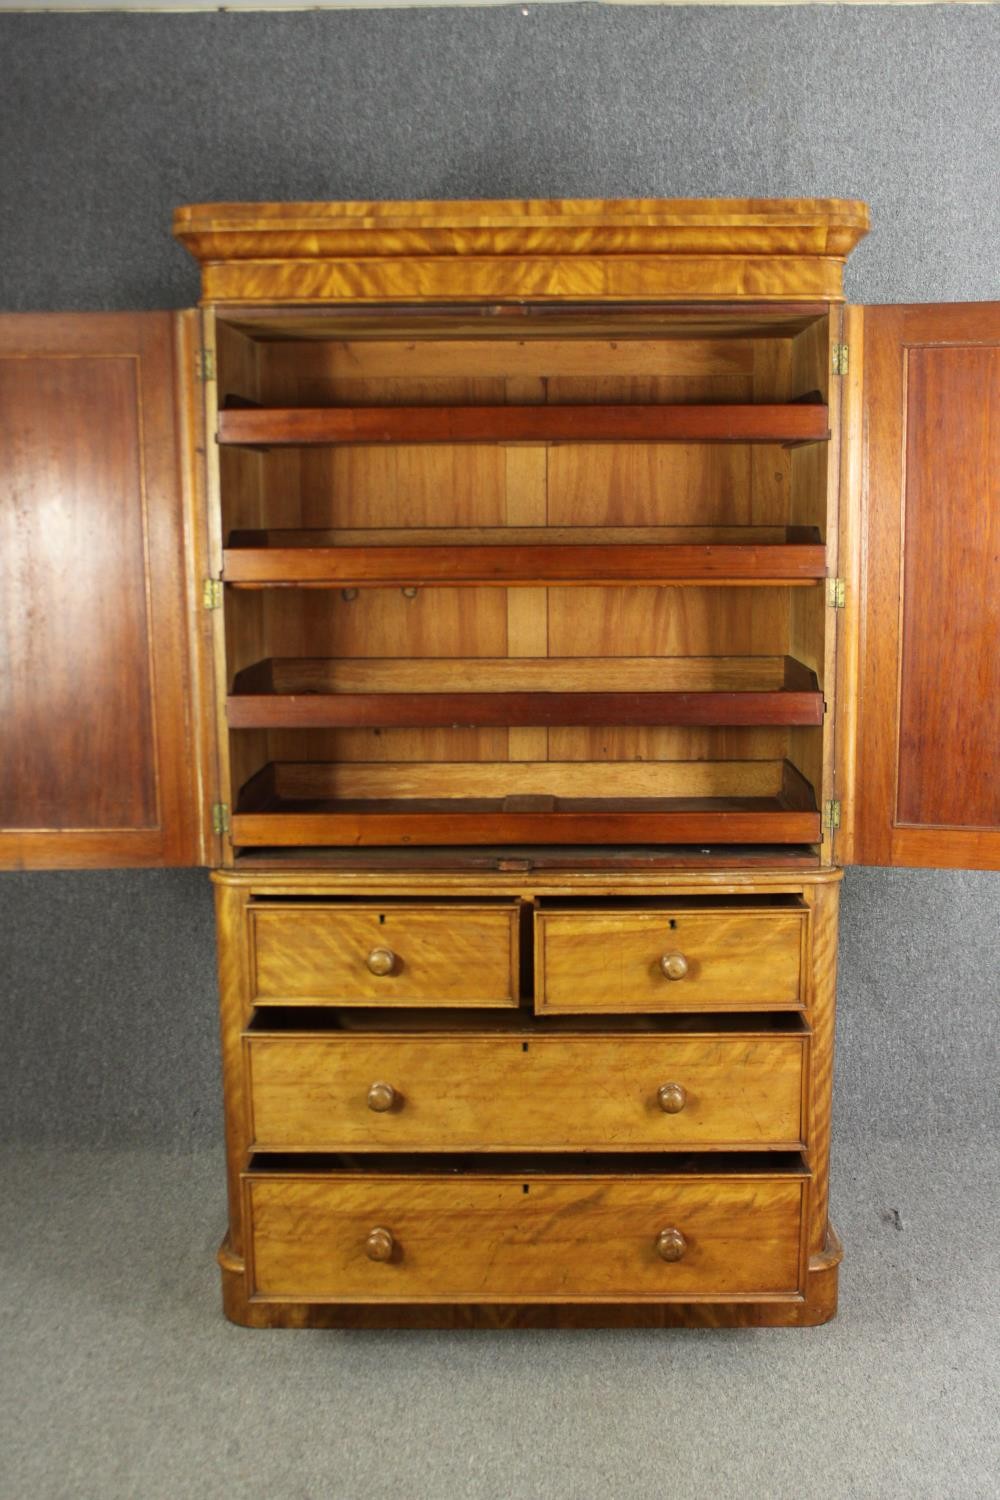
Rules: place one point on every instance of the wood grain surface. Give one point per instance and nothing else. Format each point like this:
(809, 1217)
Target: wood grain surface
(686, 249)
(102, 760)
(378, 465)
(929, 718)
(481, 1237)
(546, 564)
(459, 954)
(606, 961)
(524, 691)
(530, 1092)
(273, 427)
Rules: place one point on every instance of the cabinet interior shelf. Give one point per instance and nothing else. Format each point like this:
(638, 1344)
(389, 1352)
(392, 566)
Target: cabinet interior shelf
(785, 556)
(510, 691)
(247, 425)
(698, 802)
(521, 858)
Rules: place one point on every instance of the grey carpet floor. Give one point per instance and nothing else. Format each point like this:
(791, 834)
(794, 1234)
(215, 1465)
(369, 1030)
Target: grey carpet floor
(120, 1378)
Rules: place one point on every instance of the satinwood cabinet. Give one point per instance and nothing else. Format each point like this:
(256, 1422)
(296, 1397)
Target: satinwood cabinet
(527, 608)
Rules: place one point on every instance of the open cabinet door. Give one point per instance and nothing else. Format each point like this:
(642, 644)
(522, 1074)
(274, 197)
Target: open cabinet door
(925, 640)
(105, 731)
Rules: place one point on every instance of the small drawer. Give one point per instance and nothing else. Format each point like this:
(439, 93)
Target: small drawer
(526, 1092)
(460, 954)
(478, 1236)
(659, 959)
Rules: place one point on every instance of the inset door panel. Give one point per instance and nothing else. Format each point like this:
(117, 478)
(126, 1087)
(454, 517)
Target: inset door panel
(928, 755)
(99, 705)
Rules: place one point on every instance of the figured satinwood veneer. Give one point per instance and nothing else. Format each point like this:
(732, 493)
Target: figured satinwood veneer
(590, 581)
(304, 1079)
(525, 520)
(453, 954)
(665, 957)
(484, 1235)
(526, 1088)
(602, 250)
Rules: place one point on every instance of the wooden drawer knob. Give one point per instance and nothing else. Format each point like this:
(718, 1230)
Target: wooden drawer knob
(671, 1098)
(381, 1096)
(674, 965)
(381, 961)
(380, 1244)
(670, 1244)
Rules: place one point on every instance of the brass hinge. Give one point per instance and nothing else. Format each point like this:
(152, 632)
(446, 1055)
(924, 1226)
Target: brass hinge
(205, 364)
(841, 358)
(220, 817)
(831, 815)
(836, 592)
(211, 593)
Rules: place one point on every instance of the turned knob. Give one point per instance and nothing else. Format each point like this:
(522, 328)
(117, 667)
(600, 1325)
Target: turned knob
(670, 1244)
(674, 965)
(381, 961)
(671, 1098)
(380, 1244)
(381, 1096)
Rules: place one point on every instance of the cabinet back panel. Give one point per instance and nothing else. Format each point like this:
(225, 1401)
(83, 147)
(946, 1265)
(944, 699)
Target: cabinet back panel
(382, 622)
(477, 622)
(623, 744)
(669, 621)
(475, 485)
(349, 745)
(320, 371)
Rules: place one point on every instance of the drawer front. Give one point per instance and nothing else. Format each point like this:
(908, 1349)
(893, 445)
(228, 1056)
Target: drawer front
(481, 1093)
(385, 955)
(368, 1238)
(637, 960)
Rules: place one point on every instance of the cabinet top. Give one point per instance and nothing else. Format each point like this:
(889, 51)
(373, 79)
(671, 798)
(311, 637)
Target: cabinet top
(688, 249)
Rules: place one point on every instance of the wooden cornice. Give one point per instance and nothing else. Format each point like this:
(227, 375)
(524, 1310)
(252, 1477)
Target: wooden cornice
(547, 250)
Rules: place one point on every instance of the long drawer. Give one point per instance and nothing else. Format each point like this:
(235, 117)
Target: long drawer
(525, 1091)
(354, 1236)
(669, 959)
(456, 954)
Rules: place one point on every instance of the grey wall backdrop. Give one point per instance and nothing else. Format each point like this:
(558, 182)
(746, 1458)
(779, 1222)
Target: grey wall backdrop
(106, 122)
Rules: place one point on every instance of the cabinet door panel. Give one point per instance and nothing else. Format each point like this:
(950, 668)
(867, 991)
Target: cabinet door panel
(928, 759)
(98, 736)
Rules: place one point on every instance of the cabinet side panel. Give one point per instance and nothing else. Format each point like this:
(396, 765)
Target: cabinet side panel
(95, 722)
(929, 720)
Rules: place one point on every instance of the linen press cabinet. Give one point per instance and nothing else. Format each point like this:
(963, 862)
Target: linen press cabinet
(574, 587)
